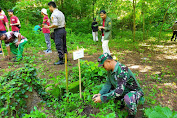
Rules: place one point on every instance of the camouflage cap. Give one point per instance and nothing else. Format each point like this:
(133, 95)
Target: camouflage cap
(103, 58)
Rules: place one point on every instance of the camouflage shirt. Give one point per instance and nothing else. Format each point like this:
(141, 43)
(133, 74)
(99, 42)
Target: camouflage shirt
(119, 82)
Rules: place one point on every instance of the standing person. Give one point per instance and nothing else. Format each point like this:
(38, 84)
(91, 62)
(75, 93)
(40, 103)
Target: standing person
(58, 24)
(15, 43)
(95, 30)
(174, 28)
(121, 84)
(14, 21)
(3, 22)
(46, 31)
(106, 31)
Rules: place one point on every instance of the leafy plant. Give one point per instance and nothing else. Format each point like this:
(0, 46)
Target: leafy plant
(35, 114)
(13, 88)
(160, 112)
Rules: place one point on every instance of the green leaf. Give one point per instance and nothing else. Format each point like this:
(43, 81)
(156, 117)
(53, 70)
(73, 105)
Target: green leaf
(167, 112)
(31, 89)
(100, 73)
(148, 111)
(3, 109)
(175, 116)
(35, 108)
(155, 114)
(80, 110)
(111, 115)
(25, 96)
(23, 91)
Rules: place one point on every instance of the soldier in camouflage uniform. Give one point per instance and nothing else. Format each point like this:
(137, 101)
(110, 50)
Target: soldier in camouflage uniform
(123, 82)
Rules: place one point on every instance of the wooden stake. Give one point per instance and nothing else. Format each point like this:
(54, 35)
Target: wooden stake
(79, 75)
(2, 48)
(66, 71)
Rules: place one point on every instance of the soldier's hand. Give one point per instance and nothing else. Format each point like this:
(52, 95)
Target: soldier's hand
(97, 99)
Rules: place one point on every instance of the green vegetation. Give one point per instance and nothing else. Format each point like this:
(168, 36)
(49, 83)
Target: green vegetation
(53, 82)
(158, 111)
(36, 74)
(14, 87)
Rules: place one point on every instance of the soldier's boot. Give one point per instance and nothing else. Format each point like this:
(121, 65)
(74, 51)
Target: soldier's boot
(60, 62)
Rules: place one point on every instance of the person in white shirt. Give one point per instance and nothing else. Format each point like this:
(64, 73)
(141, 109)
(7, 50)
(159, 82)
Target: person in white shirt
(58, 24)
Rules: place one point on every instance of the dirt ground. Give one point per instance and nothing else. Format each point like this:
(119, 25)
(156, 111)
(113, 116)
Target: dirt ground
(150, 60)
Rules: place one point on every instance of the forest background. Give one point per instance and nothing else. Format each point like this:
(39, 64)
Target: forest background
(149, 15)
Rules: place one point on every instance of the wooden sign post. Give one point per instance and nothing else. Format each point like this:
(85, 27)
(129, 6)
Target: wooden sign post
(66, 71)
(77, 55)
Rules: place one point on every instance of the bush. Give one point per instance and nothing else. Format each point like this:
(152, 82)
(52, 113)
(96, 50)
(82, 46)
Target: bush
(160, 112)
(13, 88)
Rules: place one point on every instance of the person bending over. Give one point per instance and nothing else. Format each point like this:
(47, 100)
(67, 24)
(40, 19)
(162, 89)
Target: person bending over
(15, 43)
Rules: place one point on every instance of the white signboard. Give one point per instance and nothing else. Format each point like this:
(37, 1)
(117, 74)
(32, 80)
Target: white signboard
(78, 54)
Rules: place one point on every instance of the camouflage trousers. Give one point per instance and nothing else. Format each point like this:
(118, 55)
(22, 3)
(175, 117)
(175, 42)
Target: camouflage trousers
(132, 99)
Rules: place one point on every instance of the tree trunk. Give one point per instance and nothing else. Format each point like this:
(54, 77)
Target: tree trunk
(134, 5)
(150, 22)
(143, 20)
(163, 21)
(93, 9)
(62, 2)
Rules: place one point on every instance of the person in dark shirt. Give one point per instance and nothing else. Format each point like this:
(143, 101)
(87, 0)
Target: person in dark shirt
(174, 28)
(95, 30)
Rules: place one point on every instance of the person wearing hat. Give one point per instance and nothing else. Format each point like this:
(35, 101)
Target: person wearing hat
(174, 28)
(121, 84)
(95, 30)
(58, 24)
(14, 21)
(46, 31)
(15, 43)
(106, 31)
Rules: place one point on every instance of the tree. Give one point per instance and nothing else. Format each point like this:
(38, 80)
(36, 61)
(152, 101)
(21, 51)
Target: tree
(143, 5)
(134, 20)
(163, 20)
